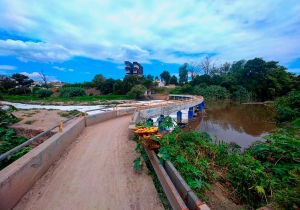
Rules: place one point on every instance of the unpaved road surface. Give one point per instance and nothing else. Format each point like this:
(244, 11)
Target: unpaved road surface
(95, 173)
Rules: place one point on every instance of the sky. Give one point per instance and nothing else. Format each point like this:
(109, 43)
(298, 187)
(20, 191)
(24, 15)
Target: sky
(72, 41)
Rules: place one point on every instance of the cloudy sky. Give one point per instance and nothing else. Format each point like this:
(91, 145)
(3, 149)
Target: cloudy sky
(72, 41)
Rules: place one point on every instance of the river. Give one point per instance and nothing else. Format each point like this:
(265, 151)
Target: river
(239, 123)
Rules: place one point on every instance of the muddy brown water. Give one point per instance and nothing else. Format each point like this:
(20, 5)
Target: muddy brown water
(239, 123)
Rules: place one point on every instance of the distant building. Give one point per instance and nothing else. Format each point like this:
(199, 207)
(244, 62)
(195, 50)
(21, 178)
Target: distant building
(133, 68)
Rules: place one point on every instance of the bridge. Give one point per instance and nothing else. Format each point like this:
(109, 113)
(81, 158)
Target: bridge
(85, 166)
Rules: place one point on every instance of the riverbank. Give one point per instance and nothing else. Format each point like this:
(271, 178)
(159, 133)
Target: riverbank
(267, 172)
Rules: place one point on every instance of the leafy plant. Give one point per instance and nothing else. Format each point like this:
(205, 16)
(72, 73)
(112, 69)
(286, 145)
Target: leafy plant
(8, 137)
(41, 93)
(71, 92)
(137, 91)
(259, 176)
(287, 107)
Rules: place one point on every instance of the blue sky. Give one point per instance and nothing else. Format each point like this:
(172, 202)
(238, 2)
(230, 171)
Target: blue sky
(72, 41)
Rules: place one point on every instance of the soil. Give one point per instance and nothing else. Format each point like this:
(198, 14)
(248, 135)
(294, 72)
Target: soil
(218, 199)
(41, 119)
(35, 122)
(96, 172)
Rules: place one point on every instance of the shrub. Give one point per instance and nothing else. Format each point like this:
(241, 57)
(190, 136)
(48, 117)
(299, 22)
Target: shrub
(242, 94)
(212, 92)
(43, 93)
(137, 91)
(2, 90)
(287, 107)
(71, 92)
(35, 88)
(19, 91)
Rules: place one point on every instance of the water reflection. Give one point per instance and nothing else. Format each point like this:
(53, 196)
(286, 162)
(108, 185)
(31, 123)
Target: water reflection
(242, 124)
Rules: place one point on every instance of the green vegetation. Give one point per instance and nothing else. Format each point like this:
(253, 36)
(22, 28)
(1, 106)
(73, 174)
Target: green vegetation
(71, 92)
(41, 93)
(267, 172)
(29, 122)
(19, 91)
(69, 113)
(137, 91)
(8, 137)
(288, 107)
(255, 79)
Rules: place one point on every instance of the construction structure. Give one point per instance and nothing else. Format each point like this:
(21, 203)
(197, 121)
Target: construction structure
(133, 68)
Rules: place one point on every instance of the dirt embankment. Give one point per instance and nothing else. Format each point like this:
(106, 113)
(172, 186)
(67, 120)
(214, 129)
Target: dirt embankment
(36, 121)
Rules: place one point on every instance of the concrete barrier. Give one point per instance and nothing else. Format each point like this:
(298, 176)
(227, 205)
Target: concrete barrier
(101, 117)
(18, 178)
(184, 190)
(123, 112)
(171, 192)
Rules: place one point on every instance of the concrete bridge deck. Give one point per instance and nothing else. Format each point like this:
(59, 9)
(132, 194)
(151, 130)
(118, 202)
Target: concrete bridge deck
(95, 173)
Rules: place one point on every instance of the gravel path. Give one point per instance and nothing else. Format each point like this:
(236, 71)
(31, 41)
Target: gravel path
(95, 173)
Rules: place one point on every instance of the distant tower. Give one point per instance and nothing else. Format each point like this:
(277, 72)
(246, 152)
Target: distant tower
(133, 69)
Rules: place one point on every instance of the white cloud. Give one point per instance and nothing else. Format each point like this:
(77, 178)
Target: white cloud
(59, 68)
(168, 31)
(36, 76)
(7, 67)
(32, 51)
(71, 70)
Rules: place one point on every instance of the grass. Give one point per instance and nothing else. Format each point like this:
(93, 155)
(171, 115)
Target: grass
(29, 122)
(68, 114)
(54, 99)
(30, 114)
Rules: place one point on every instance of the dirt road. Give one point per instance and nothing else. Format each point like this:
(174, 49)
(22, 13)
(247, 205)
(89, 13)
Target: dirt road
(95, 173)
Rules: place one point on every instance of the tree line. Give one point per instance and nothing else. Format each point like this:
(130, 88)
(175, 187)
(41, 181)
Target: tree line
(265, 80)
(244, 80)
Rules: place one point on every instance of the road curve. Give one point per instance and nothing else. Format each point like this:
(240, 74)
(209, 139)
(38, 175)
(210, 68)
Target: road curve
(96, 172)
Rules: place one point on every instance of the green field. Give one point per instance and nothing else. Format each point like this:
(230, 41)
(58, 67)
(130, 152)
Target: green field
(78, 99)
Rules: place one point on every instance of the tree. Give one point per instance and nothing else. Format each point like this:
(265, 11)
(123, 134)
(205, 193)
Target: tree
(98, 81)
(193, 69)
(43, 77)
(118, 87)
(130, 81)
(183, 74)
(137, 91)
(201, 79)
(150, 77)
(165, 76)
(22, 79)
(108, 86)
(148, 83)
(266, 79)
(7, 82)
(224, 68)
(174, 80)
(209, 66)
